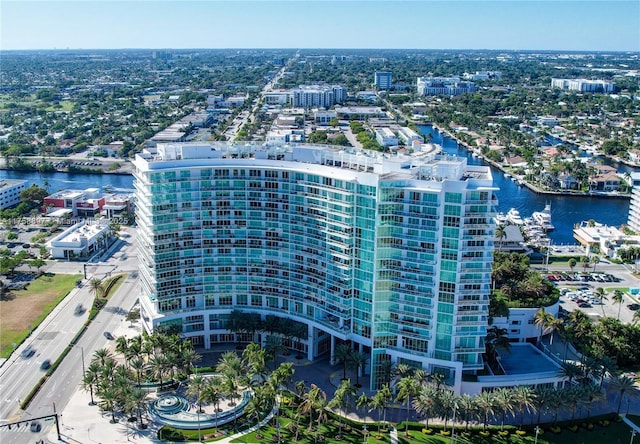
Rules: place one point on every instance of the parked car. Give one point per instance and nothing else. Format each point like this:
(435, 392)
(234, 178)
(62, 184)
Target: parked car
(35, 426)
(584, 305)
(108, 335)
(633, 307)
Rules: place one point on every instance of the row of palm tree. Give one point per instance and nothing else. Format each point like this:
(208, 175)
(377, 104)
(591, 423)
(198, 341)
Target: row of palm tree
(427, 396)
(113, 384)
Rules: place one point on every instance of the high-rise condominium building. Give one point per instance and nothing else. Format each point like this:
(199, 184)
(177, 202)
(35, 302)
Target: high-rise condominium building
(323, 96)
(391, 254)
(634, 206)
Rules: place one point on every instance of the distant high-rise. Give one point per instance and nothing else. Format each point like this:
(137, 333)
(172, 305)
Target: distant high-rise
(382, 80)
(322, 96)
(450, 86)
(584, 85)
(634, 206)
(390, 253)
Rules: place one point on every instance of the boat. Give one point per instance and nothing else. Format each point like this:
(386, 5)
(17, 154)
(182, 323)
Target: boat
(513, 216)
(543, 218)
(501, 219)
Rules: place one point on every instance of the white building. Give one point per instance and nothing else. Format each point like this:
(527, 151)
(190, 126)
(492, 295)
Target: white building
(10, 192)
(386, 137)
(450, 86)
(408, 136)
(321, 96)
(392, 253)
(81, 241)
(584, 85)
(634, 206)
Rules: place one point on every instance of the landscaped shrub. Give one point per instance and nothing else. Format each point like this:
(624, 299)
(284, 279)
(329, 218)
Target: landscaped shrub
(484, 433)
(427, 431)
(604, 423)
(556, 429)
(503, 433)
(445, 432)
(573, 428)
(521, 432)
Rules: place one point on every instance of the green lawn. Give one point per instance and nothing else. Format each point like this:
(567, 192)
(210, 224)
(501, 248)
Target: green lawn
(25, 309)
(612, 433)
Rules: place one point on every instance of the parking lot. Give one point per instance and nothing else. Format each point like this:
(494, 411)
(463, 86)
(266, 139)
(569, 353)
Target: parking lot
(579, 291)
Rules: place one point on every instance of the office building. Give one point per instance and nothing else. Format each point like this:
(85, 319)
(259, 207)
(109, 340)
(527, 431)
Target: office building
(10, 192)
(390, 252)
(382, 80)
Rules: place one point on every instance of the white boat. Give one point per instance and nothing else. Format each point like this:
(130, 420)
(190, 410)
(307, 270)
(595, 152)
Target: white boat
(543, 218)
(501, 219)
(513, 216)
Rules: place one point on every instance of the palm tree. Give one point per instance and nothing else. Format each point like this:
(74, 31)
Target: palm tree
(195, 390)
(542, 400)
(407, 388)
(342, 399)
(468, 408)
(504, 402)
(380, 401)
(595, 260)
(158, 365)
(341, 355)
(541, 320)
(525, 400)
(592, 393)
(501, 233)
(425, 402)
(230, 364)
(212, 394)
(138, 365)
(315, 400)
(101, 356)
(625, 386)
(109, 396)
(602, 296)
(572, 263)
(496, 339)
(357, 361)
(486, 405)
(570, 370)
(139, 398)
(96, 287)
(618, 298)
(446, 404)
(91, 378)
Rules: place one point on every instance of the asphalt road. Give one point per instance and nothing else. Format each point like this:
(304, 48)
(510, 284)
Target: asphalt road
(19, 375)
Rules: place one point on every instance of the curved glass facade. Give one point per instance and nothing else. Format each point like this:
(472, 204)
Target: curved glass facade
(391, 253)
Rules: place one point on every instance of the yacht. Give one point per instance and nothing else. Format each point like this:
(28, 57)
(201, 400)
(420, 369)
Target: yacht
(501, 219)
(543, 218)
(513, 216)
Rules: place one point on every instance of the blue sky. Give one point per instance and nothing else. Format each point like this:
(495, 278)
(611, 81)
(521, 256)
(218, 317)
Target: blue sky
(424, 24)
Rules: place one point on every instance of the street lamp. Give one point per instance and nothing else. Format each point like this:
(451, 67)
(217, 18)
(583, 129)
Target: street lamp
(365, 432)
(633, 435)
(537, 433)
(453, 422)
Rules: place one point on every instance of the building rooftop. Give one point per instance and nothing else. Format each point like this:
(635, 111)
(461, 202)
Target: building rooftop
(420, 165)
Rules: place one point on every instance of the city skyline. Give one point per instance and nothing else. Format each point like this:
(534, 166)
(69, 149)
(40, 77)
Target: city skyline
(510, 25)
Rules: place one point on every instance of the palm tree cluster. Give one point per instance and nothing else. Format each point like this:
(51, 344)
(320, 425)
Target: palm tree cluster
(145, 358)
(607, 338)
(113, 384)
(517, 284)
